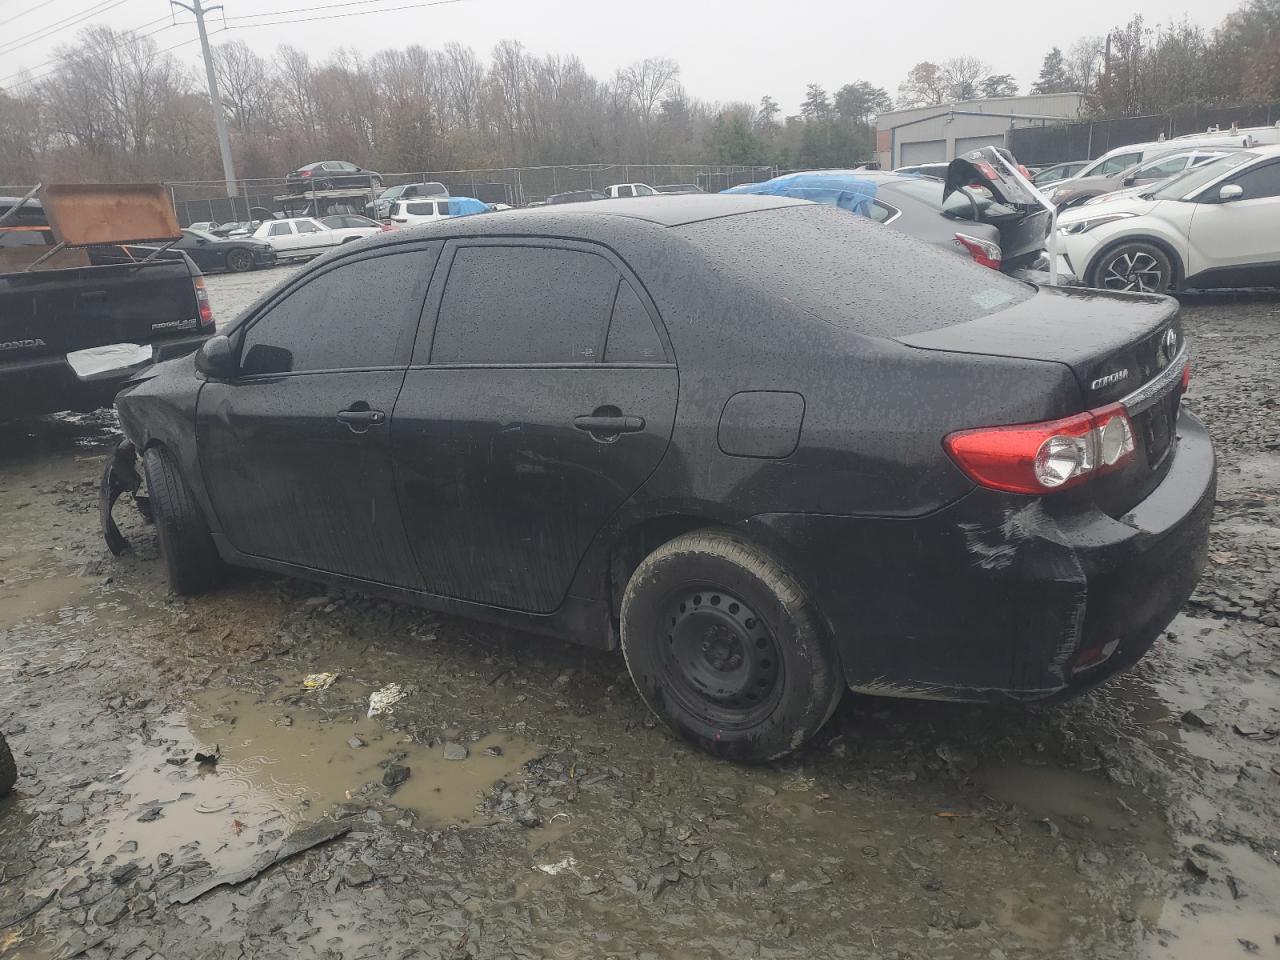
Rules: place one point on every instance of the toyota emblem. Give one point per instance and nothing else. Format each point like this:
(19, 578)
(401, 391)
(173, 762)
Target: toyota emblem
(1169, 345)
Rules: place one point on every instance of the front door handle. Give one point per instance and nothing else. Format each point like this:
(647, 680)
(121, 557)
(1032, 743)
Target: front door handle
(609, 425)
(359, 418)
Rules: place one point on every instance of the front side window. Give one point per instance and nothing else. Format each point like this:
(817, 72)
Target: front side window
(512, 304)
(306, 226)
(1260, 182)
(1197, 177)
(331, 323)
(1161, 168)
(626, 192)
(643, 191)
(1118, 164)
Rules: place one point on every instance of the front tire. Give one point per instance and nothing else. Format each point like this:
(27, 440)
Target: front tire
(1134, 267)
(186, 545)
(725, 647)
(239, 260)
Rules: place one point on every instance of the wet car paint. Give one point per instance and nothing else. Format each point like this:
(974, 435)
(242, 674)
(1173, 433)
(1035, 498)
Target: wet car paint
(869, 462)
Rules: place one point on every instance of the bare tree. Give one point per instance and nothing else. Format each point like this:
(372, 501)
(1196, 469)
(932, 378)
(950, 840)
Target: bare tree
(245, 85)
(962, 77)
(924, 86)
(647, 82)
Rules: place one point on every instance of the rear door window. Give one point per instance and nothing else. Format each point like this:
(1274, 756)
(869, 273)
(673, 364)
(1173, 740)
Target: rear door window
(524, 305)
(280, 230)
(331, 322)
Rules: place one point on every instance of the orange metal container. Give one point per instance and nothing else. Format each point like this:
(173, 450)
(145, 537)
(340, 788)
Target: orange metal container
(83, 214)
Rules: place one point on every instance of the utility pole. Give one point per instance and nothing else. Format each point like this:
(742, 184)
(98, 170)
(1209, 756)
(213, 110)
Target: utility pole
(220, 122)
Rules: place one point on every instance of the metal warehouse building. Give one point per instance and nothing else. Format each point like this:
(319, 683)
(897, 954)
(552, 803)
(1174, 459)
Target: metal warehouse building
(949, 130)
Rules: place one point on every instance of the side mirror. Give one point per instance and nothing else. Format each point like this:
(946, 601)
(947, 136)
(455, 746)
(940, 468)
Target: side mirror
(216, 359)
(1129, 181)
(201, 240)
(1232, 191)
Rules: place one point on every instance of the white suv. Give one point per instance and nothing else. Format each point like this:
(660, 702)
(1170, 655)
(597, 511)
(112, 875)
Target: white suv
(1216, 225)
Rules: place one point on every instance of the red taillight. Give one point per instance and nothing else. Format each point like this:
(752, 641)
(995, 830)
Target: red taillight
(987, 170)
(1038, 458)
(385, 227)
(202, 302)
(304, 173)
(983, 251)
(1186, 376)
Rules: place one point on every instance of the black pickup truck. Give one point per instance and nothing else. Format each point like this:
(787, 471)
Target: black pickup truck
(70, 334)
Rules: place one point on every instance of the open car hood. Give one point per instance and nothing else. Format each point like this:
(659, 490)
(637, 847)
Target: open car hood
(985, 166)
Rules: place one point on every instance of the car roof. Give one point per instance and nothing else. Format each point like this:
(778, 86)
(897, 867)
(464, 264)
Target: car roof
(596, 220)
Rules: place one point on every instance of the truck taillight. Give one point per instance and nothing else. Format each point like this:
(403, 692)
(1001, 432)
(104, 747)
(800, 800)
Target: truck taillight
(983, 251)
(202, 302)
(1038, 458)
(1186, 376)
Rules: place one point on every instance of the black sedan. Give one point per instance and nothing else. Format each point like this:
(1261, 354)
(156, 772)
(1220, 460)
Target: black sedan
(235, 255)
(770, 449)
(331, 175)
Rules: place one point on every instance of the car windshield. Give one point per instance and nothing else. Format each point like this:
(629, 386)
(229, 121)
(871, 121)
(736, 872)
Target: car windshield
(391, 193)
(1196, 177)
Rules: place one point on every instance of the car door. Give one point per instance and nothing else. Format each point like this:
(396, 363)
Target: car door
(314, 237)
(282, 236)
(295, 450)
(1237, 242)
(539, 402)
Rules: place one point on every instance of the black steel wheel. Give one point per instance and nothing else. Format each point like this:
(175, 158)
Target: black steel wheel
(239, 260)
(1134, 267)
(186, 546)
(721, 660)
(725, 647)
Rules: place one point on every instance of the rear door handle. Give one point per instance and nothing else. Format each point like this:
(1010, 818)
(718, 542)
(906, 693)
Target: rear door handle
(594, 424)
(359, 420)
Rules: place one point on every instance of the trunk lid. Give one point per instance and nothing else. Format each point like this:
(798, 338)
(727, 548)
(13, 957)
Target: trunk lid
(53, 312)
(1023, 221)
(1120, 347)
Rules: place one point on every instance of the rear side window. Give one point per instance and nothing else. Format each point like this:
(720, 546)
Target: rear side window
(632, 337)
(442, 207)
(420, 209)
(847, 271)
(331, 322)
(280, 230)
(507, 304)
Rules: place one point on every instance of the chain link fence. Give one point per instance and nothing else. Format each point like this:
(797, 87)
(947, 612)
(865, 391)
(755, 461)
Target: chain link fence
(1053, 143)
(207, 201)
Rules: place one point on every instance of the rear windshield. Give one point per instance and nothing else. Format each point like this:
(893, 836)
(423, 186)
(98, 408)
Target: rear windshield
(869, 278)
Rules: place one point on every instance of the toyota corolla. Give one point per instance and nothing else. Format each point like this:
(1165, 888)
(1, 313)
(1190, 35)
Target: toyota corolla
(770, 450)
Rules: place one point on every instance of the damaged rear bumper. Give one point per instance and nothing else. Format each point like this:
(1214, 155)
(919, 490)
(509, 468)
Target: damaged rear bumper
(1000, 598)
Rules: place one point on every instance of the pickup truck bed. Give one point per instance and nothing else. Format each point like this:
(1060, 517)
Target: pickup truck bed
(45, 315)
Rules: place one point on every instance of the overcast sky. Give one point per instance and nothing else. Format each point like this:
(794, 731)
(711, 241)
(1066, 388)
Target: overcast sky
(726, 51)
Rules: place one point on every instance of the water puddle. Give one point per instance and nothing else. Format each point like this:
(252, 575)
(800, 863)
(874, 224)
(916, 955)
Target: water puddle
(1231, 912)
(25, 593)
(281, 764)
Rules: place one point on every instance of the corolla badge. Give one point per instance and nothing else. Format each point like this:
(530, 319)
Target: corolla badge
(1169, 345)
(1109, 379)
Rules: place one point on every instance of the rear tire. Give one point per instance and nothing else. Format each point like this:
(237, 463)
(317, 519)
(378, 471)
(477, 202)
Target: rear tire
(1135, 267)
(190, 558)
(8, 769)
(724, 647)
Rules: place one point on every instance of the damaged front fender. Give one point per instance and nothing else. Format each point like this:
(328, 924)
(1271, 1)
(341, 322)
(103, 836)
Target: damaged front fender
(120, 476)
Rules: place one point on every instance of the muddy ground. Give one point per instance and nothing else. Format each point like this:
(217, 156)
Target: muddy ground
(546, 815)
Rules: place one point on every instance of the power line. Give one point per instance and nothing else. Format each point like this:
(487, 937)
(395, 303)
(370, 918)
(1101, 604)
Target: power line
(310, 9)
(127, 35)
(337, 16)
(49, 30)
(19, 16)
